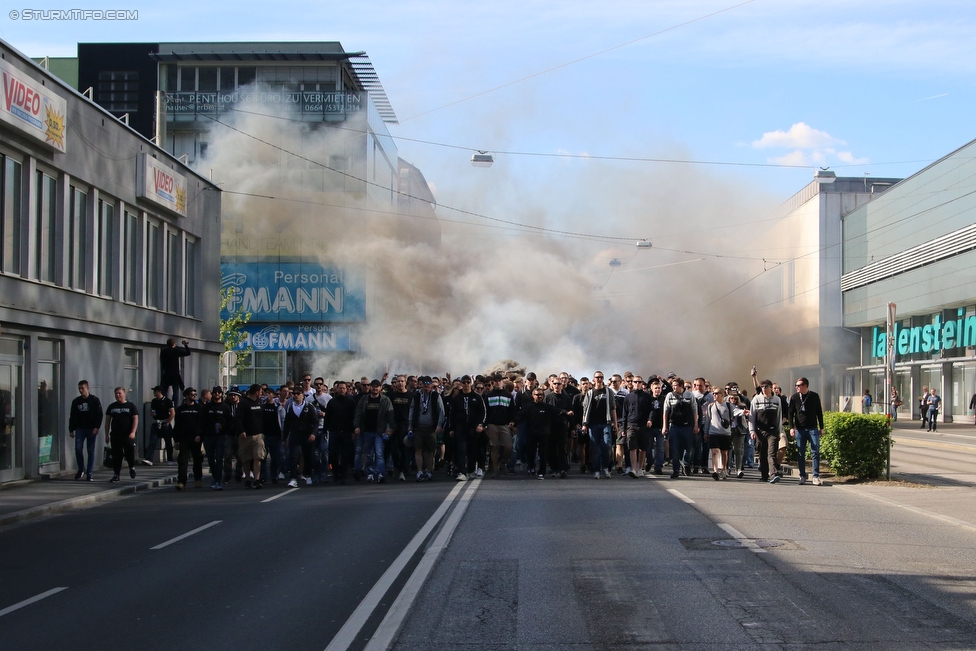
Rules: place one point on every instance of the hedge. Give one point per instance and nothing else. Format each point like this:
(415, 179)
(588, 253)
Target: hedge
(856, 445)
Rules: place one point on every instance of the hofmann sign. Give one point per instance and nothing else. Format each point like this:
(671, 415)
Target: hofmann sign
(161, 185)
(311, 337)
(31, 108)
(933, 337)
(272, 291)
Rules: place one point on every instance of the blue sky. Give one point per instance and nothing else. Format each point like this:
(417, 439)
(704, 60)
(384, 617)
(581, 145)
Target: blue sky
(852, 85)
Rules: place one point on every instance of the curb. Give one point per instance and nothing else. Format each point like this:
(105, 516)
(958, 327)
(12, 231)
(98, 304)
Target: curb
(80, 502)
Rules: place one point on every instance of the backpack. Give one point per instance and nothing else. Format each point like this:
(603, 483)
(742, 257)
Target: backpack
(682, 414)
(867, 400)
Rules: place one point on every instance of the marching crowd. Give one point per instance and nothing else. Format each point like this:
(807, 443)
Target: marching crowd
(416, 428)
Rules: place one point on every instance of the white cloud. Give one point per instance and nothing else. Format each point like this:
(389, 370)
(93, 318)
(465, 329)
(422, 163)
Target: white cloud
(800, 136)
(849, 158)
(793, 158)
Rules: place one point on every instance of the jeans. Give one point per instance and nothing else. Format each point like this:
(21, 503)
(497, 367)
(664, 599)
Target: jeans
(813, 437)
(601, 444)
(655, 447)
(682, 439)
(933, 419)
(374, 449)
(215, 455)
(321, 467)
(85, 438)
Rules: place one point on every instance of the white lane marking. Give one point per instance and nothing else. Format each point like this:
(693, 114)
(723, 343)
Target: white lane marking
(274, 497)
(391, 624)
(28, 602)
(186, 535)
(748, 544)
(347, 634)
(683, 498)
(914, 509)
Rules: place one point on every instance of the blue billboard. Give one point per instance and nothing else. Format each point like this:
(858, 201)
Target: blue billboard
(322, 337)
(273, 291)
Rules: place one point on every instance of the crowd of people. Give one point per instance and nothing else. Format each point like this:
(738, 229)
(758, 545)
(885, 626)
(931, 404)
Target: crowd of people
(418, 428)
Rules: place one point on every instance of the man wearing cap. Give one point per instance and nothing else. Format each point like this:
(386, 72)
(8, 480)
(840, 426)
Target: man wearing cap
(162, 412)
(374, 422)
(765, 422)
(188, 431)
(216, 427)
(426, 422)
(251, 438)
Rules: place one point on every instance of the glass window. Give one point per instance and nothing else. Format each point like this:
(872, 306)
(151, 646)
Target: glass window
(12, 207)
(133, 258)
(174, 274)
(963, 387)
(191, 278)
(106, 247)
(227, 80)
(261, 367)
(246, 76)
(45, 235)
(154, 266)
(79, 262)
(132, 376)
(207, 79)
(188, 79)
(48, 401)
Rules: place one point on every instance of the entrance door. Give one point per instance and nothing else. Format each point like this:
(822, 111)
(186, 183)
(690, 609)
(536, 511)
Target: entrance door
(11, 401)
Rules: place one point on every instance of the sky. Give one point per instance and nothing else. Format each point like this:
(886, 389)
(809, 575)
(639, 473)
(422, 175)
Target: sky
(752, 95)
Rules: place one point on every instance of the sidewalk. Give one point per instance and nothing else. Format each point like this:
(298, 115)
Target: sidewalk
(30, 499)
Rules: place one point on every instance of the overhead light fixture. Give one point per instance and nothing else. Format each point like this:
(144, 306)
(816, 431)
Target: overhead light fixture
(643, 244)
(825, 176)
(482, 159)
(615, 263)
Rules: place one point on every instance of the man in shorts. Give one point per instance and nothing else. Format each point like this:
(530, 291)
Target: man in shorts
(252, 450)
(426, 424)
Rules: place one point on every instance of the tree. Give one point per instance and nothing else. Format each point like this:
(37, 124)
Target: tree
(232, 328)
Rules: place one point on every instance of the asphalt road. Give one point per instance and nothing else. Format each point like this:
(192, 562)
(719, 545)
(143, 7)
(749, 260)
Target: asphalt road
(555, 564)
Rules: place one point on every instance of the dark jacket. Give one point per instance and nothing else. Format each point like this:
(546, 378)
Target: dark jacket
(298, 427)
(500, 407)
(467, 410)
(169, 363)
(637, 409)
(806, 412)
(340, 414)
(189, 422)
(86, 413)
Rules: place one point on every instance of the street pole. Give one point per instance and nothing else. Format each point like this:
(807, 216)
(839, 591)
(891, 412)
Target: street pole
(889, 377)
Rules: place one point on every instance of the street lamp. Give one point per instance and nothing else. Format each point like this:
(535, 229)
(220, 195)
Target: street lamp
(824, 176)
(482, 159)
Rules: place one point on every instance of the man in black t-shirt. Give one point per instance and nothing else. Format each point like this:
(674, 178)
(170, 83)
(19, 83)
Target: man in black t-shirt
(121, 421)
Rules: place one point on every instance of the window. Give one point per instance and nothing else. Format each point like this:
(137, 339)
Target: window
(174, 273)
(118, 91)
(49, 401)
(261, 367)
(246, 76)
(154, 266)
(207, 79)
(227, 84)
(106, 247)
(12, 208)
(132, 253)
(188, 79)
(190, 277)
(45, 233)
(132, 375)
(79, 260)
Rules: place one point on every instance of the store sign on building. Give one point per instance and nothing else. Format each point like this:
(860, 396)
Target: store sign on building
(161, 185)
(274, 291)
(31, 108)
(312, 338)
(184, 105)
(940, 334)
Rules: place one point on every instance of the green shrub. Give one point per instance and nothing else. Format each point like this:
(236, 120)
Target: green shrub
(856, 445)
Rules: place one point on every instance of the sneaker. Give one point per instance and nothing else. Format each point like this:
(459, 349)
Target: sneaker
(715, 476)
(429, 476)
(724, 474)
(293, 483)
(582, 470)
(674, 475)
(90, 478)
(258, 483)
(620, 471)
(462, 477)
(114, 480)
(740, 474)
(479, 472)
(816, 481)
(401, 477)
(606, 473)
(218, 486)
(540, 476)
(197, 483)
(631, 473)
(380, 479)
(213, 484)
(247, 483)
(79, 474)
(596, 475)
(659, 471)
(147, 462)
(803, 480)
(774, 479)
(308, 481)
(281, 475)
(132, 473)
(562, 474)
(369, 478)
(420, 476)
(180, 486)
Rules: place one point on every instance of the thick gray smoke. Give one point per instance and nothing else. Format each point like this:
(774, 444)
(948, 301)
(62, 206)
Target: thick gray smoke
(551, 303)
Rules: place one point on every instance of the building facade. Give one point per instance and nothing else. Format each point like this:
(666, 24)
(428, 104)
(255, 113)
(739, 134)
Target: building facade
(110, 246)
(915, 246)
